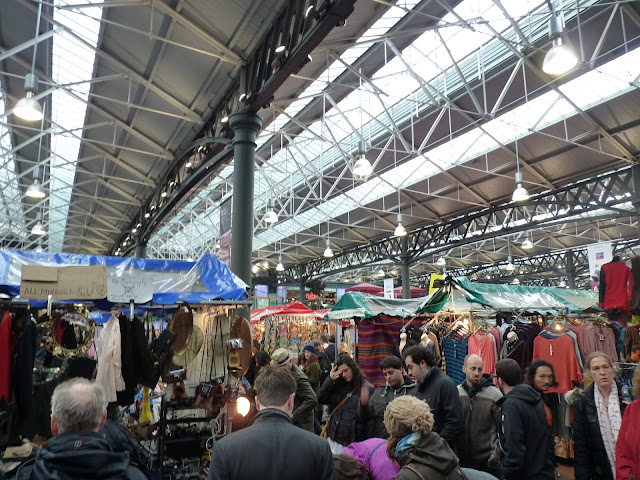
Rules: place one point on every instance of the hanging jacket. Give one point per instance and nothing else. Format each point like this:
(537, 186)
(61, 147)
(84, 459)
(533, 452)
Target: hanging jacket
(616, 285)
(478, 446)
(439, 391)
(524, 437)
(378, 402)
(432, 459)
(591, 460)
(110, 359)
(305, 400)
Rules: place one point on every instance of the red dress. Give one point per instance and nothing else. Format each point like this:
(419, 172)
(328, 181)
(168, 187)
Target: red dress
(628, 444)
(6, 349)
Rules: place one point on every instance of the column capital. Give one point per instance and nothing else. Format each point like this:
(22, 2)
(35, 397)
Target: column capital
(245, 120)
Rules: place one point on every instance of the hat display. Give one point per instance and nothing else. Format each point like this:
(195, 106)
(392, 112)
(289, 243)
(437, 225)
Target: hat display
(281, 356)
(191, 350)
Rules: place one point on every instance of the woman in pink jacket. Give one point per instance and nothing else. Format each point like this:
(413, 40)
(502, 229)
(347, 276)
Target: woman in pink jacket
(372, 455)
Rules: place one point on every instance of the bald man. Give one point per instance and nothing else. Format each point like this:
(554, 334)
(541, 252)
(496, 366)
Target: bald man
(478, 445)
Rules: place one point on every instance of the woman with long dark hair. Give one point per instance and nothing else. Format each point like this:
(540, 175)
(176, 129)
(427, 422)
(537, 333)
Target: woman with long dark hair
(346, 392)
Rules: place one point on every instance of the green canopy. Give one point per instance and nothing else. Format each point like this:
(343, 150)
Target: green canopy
(358, 304)
(460, 293)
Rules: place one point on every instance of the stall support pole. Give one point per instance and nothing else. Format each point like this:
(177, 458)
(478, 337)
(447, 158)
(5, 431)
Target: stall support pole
(404, 268)
(141, 250)
(636, 188)
(302, 295)
(571, 269)
(245, 128)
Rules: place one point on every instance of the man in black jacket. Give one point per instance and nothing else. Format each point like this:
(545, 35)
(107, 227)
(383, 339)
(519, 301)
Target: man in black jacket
(272, 447)
(80, 449)
(397, 385)
(523, 434)
(438, 390)
(478, 445)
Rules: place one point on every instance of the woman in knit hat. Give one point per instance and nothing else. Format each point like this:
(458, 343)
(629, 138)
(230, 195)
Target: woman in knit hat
(421, 453)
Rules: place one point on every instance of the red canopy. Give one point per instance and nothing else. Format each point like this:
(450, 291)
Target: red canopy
(295, 308)
(367, 288)
(415, 292)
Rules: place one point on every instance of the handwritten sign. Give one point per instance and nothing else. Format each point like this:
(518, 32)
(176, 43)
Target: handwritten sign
(130, 285)
(63, 283)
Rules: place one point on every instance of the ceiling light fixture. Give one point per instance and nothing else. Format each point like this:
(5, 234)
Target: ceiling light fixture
(527, 244)
(38, 228)
(362, 168)
(328, 253)
(188, 164)
(560, 58)
(164, 193)
(225, 119)
(520, 194)
(516, 281)
(510, 266)
(28, 107)
(35, 190)
(279, 267)
(271, 216)
(400, 231)
(281, 50)
(147, 215)
(441, 262)
(381, 273)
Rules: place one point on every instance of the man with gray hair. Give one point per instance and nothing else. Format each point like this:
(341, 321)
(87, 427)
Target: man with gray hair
(80, 449)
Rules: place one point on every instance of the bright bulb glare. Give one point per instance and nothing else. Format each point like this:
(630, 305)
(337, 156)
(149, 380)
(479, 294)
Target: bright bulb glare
(328, 252)
(35, 190)
(270, 217)
(28, 108)
(520, 194)
(38, 229)
(559, 59)
(527, 244)
(400, 231)
(243, 406)
(279, 267)
(441, 262)
(362, 168)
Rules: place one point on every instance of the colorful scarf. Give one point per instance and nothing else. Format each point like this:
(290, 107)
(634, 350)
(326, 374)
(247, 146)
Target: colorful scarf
(610, 420)
(406, 443)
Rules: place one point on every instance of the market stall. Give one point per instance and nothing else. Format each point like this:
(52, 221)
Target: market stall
(373, 324)
(160, 336)
(291, 325)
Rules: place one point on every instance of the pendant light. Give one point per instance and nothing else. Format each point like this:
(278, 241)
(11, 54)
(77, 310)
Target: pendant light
(35, 190)
(510, 266)
(400, 231)
(527, 244)
(38, 228)
(28, 107)
(381, 273)
(279, 267)
(271, 216)
(560, 58)
(328, 253)
(441, 262)
(362, 168)
(520, 194)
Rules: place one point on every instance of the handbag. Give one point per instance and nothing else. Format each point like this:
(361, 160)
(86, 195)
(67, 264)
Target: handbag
(325, 429)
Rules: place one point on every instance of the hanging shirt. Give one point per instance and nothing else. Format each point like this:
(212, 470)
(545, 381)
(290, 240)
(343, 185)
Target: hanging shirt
(616, 284)
(454, 351)
(561, 353)
(483, 344)
(108, 348)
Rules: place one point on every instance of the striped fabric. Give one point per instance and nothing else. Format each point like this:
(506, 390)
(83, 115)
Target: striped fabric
(376, 338)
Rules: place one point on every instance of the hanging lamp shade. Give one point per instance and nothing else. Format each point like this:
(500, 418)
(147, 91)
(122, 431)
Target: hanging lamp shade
(527, 244)
(35, 190)
(520, 194)
(362, 168)
(328, 253)
(279, 267)
(28, 108)
(441, 262)
(400, 231)
(510, 266)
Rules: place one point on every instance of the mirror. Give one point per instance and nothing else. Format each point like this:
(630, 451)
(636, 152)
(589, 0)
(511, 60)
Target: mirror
(70, 335)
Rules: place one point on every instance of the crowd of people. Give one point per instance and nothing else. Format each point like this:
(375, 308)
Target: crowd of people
(419, 426)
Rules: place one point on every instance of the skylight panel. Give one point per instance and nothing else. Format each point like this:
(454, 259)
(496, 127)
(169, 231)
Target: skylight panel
(72, 62)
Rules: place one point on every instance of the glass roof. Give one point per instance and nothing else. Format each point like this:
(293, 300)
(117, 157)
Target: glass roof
(72, 63)
(437, 57)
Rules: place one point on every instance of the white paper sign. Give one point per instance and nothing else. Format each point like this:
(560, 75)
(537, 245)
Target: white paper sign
(388, 288)
(599, 254)
(130, 285)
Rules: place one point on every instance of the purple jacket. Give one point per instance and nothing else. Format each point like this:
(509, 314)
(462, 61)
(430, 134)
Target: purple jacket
(372, 454)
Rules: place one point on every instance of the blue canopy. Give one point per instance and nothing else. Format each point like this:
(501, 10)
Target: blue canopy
(168, 281)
